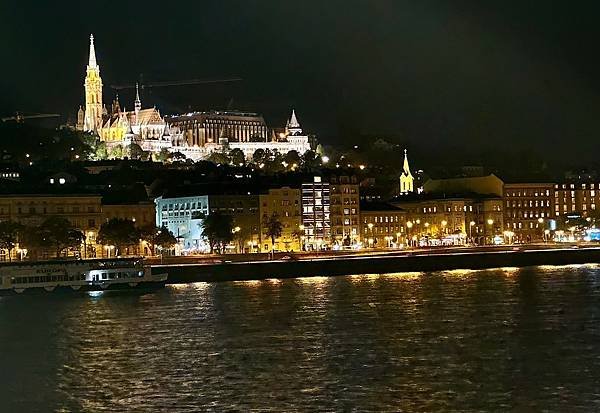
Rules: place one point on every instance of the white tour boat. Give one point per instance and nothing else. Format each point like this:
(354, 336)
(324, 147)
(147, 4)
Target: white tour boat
(78, 275)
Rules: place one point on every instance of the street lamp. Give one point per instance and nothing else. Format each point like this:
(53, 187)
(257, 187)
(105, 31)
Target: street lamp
(409, 225)
(471, 225)
(444, 223)
(398, 239)
(490, 222)
(236, 231)
(370, 225)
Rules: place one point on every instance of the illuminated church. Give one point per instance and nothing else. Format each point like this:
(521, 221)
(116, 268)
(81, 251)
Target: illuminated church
(196, 135)
(145, 127)
(406, 178)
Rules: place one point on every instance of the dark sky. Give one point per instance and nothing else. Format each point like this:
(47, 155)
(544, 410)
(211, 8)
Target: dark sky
(426, 72)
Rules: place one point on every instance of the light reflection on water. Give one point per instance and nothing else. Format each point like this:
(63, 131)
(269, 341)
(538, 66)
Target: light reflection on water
(493, 340)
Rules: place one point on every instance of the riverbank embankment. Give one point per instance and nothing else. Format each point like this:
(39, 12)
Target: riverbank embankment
(380, 264)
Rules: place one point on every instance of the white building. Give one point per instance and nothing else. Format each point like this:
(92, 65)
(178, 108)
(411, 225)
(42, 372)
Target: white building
(201, 133)
(183, 216)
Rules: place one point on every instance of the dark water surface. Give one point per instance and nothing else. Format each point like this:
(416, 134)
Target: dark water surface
(496, 340)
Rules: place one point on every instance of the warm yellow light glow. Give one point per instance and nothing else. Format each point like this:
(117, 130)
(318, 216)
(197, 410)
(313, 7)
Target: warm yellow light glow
(540, 220)
(409, 224)
(444, 223)
(472, 223)
(370, 225)
(490, 221)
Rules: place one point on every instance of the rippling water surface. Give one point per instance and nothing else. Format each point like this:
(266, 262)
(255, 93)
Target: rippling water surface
(497, 340)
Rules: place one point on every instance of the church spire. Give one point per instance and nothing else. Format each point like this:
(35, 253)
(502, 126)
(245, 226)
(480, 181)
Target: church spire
(293, 122)
(93, 93)
(406, 167)
(138, 102)
(92, 61)
(293, 126)
(406, 178)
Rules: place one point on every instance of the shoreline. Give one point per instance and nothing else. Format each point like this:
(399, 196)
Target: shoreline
(380, 264)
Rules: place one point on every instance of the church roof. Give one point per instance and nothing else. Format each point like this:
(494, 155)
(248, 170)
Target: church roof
(148, 116)
(293, 122)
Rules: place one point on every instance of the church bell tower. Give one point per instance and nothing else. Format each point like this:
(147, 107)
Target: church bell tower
(93, 93)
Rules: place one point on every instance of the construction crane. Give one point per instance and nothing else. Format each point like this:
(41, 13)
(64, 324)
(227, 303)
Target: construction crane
(20, 117)
(142, 85)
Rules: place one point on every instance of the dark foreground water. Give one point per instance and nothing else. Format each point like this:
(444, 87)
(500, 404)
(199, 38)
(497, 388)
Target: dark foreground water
(497, 340)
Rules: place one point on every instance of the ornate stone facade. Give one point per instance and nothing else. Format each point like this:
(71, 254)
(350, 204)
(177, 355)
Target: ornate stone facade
(195, 135)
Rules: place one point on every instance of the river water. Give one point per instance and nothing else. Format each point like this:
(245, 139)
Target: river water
(496, 340)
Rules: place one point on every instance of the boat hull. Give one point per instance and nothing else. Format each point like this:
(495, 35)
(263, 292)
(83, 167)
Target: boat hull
(145, 286)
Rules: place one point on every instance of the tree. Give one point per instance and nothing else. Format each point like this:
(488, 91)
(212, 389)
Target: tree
(218, 158)
(258, 156)
(274, 229)
(310, 160)
(218, 229)
(237, 157)
(164, 155)
(157, 237)
(118, 232)
(101, 151)
(320, 150)
(57, 233)
(178, 156)
(10, 232)
(135, 151)
(292, 157)
(299, 235)
(117, 152)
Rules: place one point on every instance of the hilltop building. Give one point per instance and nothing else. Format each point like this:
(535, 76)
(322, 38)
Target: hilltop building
(214, 131)
(196, 135)
(145, 127)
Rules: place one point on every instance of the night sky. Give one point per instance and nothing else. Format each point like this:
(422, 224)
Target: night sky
(422, 72)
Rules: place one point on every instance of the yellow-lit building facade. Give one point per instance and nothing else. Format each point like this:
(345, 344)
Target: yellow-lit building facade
(454, 221)
(84, 212)
(285, 204)
(344, 211)
(581, 198)
(528, 208)
(142, 213)
(382, 226)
